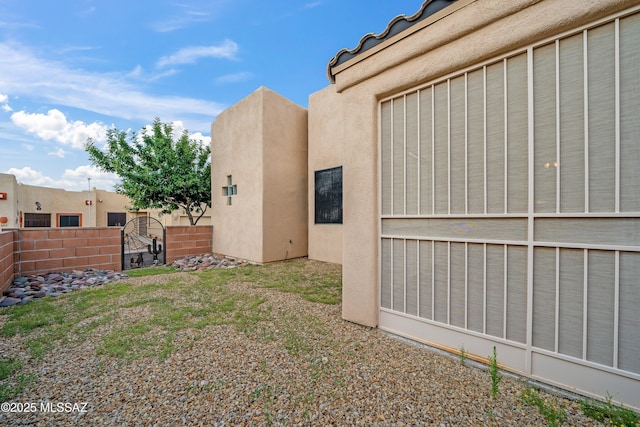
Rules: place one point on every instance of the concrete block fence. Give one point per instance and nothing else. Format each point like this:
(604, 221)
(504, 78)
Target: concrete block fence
(188, 240)
(28, 251)
(7, 243)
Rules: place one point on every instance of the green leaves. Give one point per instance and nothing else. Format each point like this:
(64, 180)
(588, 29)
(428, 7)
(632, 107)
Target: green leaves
(157, 171)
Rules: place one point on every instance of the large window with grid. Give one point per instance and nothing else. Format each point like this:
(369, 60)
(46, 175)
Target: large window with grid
(37, 220)
(69, 220)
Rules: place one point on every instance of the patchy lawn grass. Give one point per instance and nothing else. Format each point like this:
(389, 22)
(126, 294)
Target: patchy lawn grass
(233, 337)
(306, 279)
(151, 271)
(11, 382)
(174, 302)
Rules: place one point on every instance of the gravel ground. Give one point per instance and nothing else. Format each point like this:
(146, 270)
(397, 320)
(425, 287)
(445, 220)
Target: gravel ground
(303, 365)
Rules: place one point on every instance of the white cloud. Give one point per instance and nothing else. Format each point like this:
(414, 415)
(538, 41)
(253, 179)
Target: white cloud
(14, 25)
(54, 126)
(59, 152)
(179, 22)
(111, 94)
(99, 179)
(178, 128)
(29, 176)
(204, 140)
(69, 49)
(4, 99)
(138, 73)
(28, 147)
(72, 179)
(189, 55)
(189, 13)
(234, 78)
(87, 171)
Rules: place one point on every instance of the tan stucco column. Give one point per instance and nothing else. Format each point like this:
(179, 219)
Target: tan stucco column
(360, 216)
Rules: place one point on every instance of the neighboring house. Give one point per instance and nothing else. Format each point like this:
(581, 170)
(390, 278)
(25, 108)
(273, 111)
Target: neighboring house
(475, 169)
(27, 206)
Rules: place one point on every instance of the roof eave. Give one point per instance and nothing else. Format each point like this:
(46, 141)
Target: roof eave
(407, 24)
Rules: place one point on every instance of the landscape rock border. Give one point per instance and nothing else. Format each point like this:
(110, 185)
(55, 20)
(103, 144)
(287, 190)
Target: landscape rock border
(207, 262)
(37, 286)
(30, 288)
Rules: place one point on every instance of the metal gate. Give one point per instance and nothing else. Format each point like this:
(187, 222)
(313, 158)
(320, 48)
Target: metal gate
(510, 210)
(143, 243)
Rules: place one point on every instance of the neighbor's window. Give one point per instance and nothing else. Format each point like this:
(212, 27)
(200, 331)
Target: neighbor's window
(116, 219)
(69, 220)
(328, 196)
(37, 220)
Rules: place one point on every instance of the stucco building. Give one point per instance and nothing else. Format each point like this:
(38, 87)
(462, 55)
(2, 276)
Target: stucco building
(474, 168)
(259, 180)
(26, 206)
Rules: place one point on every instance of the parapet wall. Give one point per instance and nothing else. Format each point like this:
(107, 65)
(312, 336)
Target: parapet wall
(188, 240)
(27, 251)
(7, 243)
(65, 249)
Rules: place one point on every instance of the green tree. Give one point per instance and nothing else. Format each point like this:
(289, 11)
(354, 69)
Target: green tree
(157, 171)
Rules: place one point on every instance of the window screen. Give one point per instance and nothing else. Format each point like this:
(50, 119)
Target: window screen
(37, 220)
(116, 219)
(69, 221)
(328, 196)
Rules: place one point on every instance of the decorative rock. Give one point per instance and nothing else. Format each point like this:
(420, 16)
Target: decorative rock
(19, 281)
(9, 301)
(207, 262)
(35, 287)
(32, 288)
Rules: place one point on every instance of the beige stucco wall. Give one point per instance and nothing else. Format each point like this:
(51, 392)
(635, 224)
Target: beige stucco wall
(9, 207)
(325, 151)
(262, 143)
(285, 178)
(56, 201)
(236, 150)
(106, 202)
(477, 31)
(22, 198)
(178, 218)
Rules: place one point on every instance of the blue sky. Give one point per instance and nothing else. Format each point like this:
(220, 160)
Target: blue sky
(70, 69)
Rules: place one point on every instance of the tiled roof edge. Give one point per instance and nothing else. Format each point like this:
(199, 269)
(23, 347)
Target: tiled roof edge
(397, 25)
